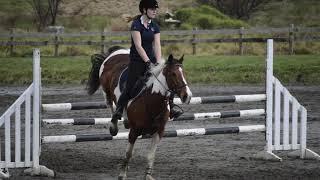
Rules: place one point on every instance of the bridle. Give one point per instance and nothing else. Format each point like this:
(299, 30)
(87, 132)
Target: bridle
(175, 90)
(171, 92)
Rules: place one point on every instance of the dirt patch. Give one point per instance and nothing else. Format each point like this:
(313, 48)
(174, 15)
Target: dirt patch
(207, 157)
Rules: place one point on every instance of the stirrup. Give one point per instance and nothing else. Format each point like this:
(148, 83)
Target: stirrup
(175, 113)
(117, 115)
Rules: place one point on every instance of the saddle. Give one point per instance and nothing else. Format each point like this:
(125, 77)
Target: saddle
(138, 87)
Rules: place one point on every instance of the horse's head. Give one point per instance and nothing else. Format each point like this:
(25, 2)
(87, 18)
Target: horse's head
(176, 80)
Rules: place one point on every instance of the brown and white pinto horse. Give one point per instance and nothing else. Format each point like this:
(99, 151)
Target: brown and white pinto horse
(149, 111)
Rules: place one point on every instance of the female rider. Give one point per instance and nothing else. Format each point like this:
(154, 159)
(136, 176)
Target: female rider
(145, 49)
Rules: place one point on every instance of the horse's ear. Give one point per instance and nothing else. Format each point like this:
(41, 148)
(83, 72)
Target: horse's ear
(170, 58)
(181, 59)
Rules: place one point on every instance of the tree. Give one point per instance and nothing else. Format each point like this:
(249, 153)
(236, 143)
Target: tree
(241, 9)
(54, 6)
(13, 12)
(45, 12)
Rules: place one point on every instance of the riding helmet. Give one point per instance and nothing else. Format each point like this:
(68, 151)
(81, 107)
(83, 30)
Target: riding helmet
(146, 4)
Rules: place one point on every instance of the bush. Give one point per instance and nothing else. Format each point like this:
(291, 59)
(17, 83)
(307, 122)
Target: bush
(205, 23)
(210, 11)
(184, 15)
(206, 17)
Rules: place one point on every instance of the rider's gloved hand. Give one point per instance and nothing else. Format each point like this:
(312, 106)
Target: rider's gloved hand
(147, 73)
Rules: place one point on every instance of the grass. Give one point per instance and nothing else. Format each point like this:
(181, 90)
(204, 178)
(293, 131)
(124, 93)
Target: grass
(224, 70)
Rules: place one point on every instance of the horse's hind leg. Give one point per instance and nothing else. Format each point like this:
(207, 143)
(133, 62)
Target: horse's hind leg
(151, 155)
(124, 166)
(109, 101)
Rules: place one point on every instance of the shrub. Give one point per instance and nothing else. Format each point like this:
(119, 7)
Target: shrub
(206, 17)
(184, 15)
(205, 23)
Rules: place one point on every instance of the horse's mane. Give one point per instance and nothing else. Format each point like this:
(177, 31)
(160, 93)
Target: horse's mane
(155, 70)
(157, 81)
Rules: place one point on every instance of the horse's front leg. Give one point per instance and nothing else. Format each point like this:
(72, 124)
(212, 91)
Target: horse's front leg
(151, 155)
(129, 152)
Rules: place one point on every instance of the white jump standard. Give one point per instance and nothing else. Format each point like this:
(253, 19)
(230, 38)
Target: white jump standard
(32, 147)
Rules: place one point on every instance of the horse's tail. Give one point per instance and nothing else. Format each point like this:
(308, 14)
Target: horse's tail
(96, 61)
(94, 82)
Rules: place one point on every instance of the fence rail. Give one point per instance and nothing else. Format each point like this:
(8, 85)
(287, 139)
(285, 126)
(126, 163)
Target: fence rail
(288, 35)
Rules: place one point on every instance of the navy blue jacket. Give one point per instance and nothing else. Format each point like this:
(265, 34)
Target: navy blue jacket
(147, 38)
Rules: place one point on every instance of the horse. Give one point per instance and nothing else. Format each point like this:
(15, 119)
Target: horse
(148, 112)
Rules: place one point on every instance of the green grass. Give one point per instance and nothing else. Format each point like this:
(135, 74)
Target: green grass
(241, 70)
(304, 69)
(65, 70)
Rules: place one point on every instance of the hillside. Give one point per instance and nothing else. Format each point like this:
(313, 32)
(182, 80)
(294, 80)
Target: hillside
(86, 15)
(115, 8)
(283, 13)
(275, 13)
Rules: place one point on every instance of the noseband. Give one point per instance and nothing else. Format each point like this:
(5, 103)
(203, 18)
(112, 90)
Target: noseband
(177, 89)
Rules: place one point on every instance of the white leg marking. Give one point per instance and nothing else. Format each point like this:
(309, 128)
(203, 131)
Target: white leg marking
(129, 150)
(124, 165)
(151, 155)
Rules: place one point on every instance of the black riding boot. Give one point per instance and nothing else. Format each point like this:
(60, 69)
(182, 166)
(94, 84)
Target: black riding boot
(117, 115)
(174, 113)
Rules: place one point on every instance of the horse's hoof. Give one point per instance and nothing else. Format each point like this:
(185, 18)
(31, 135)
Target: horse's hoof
(121, 177)
(149, 177)
(126, 123)
(113, 130)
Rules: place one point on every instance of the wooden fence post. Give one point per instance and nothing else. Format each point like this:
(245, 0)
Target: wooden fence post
(56, 44)
(103, 37)
(11, 41)
(241, 41)
(194, 48)
(291, 39)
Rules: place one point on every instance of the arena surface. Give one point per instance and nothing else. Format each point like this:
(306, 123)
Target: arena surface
(203, 157)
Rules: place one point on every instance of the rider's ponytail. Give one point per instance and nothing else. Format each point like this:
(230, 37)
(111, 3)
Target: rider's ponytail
(131, 18)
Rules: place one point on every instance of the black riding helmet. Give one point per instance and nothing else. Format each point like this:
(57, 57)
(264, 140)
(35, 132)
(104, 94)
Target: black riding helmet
(146, 4)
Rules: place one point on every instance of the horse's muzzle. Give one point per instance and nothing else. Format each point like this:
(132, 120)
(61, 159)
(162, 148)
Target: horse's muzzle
(186, 99)
(185, 95)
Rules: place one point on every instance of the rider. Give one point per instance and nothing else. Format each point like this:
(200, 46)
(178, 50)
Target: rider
(145, 49)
